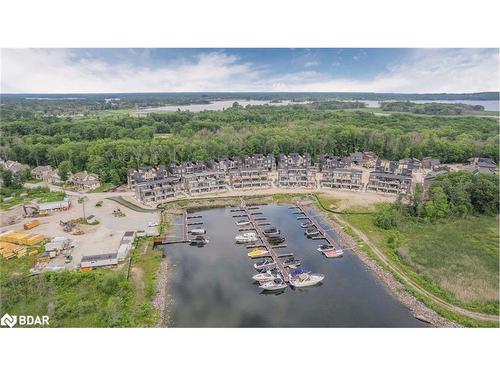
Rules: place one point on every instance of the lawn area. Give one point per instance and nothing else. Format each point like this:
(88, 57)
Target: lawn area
(9, 197)
(99, 298)
(104, 187)
(456, 260)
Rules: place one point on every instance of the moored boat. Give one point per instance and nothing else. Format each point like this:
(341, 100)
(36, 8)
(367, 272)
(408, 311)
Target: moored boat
(304, 280)
(276, 284)
(306, 225)
(275, 239)
(334, 253)
(199, 241)
(265, 264)
(311, 231)
(271, 231)
(291, 262)
(242, 222)
(246, 237)
(198, 231)
(325, 247)
(257, 253)
(268, 275)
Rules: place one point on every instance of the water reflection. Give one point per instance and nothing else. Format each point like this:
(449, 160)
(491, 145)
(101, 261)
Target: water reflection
(212, 286)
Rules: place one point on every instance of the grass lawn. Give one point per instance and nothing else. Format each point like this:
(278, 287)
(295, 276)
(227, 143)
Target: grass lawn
(99, 298)
(457, 261)
(104, 187)
(42, 194)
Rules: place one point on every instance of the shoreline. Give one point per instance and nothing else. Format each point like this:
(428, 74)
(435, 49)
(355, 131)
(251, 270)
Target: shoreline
(417, 308)
(162, 299)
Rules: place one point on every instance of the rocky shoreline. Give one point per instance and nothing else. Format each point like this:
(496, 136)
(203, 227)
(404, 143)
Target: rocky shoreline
(418, 309)
(162, 299)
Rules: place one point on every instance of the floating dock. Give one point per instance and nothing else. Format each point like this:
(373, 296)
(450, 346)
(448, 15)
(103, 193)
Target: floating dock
(166, 240)
(271, 252)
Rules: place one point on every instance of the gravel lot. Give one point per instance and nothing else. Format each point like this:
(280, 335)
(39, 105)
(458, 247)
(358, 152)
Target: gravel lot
(102, 238)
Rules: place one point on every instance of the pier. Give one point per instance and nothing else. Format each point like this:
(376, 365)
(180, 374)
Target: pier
(265, 243)
(184, 238)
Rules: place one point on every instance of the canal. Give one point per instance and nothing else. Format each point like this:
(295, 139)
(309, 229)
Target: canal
(212, 286)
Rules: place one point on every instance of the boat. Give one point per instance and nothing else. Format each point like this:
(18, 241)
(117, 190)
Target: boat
(311, 231)
(276, 284)
(242, 222)
(265, 264)
(257, 253)
(198, 231)
(291, 262)
(297, 271)
(325, 247)
(199, 241)
(246, 237)
(265, 276)
(275, 239)
(306, 225)
(306, 279)
(271, 231)
(334, 253)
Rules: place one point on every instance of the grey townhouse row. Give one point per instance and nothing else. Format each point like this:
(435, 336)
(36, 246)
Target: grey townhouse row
(300, 176)
(342, 178)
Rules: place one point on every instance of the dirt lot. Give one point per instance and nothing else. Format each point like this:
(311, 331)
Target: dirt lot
(97, 239)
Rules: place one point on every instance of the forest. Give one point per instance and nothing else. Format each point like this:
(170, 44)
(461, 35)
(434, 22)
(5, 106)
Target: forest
(435, 109)
(110, 145)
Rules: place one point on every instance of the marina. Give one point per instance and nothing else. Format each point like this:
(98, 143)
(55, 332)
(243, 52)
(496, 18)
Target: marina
(215, 287)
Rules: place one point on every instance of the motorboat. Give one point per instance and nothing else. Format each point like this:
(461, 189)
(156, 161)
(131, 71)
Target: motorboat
(276, 284)
(276, 239)
(268, 275)
(311, 231)
(257, 253)
(246, 237)
(265, 264)
(325, 247)
(297, 271)
(199, 241)
(306, 225)
(306, 279)
(242, 222)
(198, 231)
(291, 262)
(334, 253)
(271, 231)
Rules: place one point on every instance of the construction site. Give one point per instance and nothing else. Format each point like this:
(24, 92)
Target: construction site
(59, 234)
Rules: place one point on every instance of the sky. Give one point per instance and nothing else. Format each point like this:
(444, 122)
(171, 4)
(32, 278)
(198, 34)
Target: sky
(247, 70)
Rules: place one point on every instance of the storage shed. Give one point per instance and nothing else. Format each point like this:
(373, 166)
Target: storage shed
(100, 260)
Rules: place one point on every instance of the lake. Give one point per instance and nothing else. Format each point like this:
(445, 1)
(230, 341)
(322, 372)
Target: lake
(212, 286)
(218, 105)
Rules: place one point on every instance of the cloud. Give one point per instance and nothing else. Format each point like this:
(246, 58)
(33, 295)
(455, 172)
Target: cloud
(308, 64)
(70, 71)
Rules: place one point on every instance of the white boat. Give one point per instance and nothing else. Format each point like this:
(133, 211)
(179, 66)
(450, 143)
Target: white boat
(304, 280)
(266, 276)
(199, 241)
(291, 262)
(242, 222)
(324, 248)
(276, 284)
(246, 237)
(265, 264)
(306, 225)
(334, 253)
(198, 231)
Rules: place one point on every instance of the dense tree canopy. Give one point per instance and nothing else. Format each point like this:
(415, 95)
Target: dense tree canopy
(110, 145)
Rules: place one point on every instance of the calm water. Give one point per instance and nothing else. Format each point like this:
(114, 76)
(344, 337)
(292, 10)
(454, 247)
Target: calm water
(212, 286)
(489, 105)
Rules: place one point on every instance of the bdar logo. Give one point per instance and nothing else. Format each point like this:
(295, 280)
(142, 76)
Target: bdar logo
(8, 320)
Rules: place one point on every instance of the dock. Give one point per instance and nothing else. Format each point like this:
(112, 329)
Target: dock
(323, 233)
(166, 240)
(271, 251)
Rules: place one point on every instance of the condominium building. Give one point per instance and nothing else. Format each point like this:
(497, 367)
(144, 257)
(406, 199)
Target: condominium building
(341, 178)
(145, 174)
(259, 161)
(294, 160)
(157, 191)
(297, 177)
(186, 168)
(204, 182)
(249, 178)
(326, 162)
(389, 182)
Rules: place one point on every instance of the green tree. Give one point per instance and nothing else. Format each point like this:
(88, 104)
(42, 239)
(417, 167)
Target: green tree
(64, 170)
